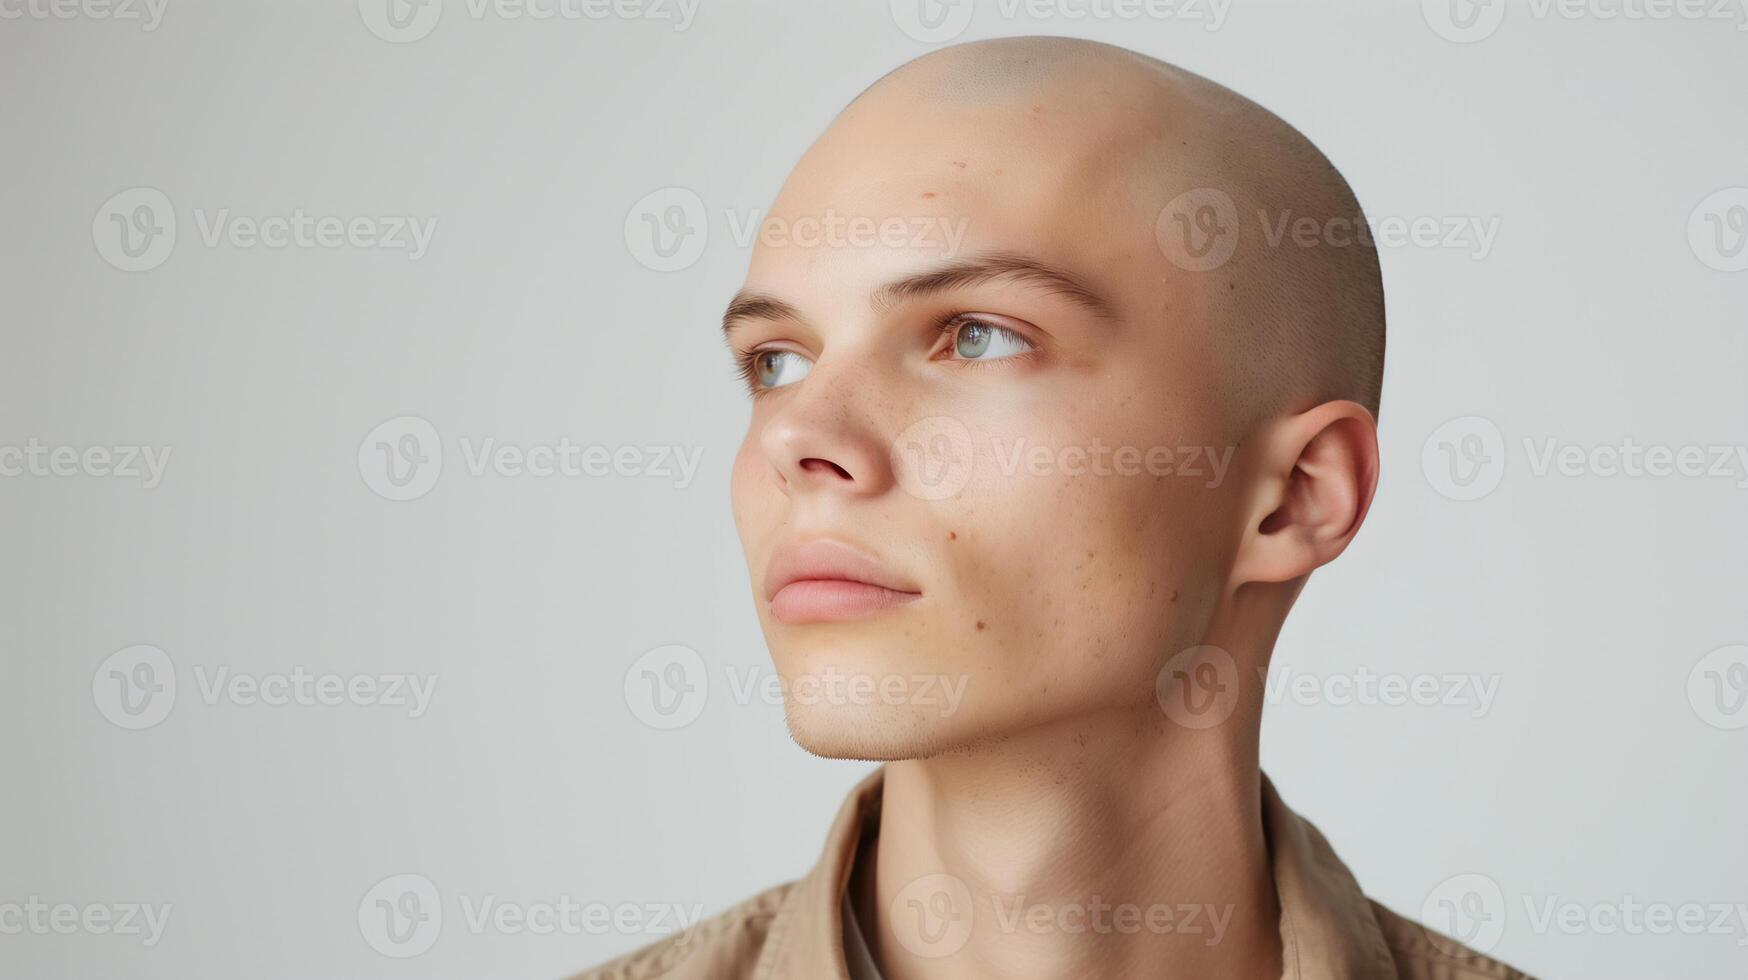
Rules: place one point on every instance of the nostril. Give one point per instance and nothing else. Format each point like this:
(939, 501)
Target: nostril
(814, 464)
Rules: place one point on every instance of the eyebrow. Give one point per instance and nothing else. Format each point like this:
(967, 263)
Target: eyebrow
(952, 275)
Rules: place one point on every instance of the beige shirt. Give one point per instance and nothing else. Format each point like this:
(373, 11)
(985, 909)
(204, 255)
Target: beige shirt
(1329, 929)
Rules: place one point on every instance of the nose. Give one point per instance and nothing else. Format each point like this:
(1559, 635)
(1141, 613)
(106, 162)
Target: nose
(823, 438)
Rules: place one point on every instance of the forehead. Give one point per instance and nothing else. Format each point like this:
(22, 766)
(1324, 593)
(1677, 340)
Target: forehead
(895, 185)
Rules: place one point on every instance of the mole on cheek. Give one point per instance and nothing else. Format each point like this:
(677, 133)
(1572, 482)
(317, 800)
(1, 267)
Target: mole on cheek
(952, 535)
(980, 624)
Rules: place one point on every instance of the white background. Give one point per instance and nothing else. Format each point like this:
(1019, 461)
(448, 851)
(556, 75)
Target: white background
(1594, 778)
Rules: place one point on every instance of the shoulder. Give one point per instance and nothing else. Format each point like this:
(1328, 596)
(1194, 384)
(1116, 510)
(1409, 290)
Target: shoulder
(722, 947)
(1424, 954)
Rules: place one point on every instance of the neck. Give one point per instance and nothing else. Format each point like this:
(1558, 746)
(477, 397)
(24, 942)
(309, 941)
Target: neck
(1122, 845)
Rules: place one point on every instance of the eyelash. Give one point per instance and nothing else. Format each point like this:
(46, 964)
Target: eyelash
(746, 369)
(746, 360)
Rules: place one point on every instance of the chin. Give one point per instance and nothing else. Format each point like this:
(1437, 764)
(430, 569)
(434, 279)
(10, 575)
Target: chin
(883, 734)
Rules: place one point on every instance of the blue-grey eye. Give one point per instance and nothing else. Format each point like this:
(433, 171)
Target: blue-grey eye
(975, 340)
(776, 368)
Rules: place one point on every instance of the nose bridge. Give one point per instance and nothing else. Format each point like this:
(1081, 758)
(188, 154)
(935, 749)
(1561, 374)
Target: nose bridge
(829, 434)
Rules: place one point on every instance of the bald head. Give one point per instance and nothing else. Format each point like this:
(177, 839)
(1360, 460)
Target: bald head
(1089, 404)
(1251, 231)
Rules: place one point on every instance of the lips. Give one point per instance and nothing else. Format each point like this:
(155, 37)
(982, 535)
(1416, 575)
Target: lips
(830, 581)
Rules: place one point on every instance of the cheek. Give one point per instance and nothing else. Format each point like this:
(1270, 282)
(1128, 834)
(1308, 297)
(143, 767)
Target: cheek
(1082, 554)
(1081, 579)
(746, 484)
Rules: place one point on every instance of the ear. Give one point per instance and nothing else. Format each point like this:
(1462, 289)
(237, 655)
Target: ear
(1316, 475)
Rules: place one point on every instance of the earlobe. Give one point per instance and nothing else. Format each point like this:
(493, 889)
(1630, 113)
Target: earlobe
(1315, 480)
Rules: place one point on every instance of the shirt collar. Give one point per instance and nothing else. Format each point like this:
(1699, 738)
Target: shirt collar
(1328, 929)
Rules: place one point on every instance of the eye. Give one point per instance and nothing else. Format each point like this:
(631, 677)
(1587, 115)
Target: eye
(979, 340)
(776, 368)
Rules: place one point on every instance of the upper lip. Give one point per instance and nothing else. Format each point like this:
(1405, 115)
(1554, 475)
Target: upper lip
(826, 559)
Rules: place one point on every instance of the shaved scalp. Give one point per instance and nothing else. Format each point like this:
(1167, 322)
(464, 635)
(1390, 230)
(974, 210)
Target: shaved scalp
(1298, 313)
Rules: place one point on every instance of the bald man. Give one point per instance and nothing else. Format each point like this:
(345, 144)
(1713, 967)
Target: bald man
(1047, 433)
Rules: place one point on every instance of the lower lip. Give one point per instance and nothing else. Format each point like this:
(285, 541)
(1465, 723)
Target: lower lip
(834, 601)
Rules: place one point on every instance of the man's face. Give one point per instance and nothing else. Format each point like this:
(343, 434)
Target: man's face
(1040, 488)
